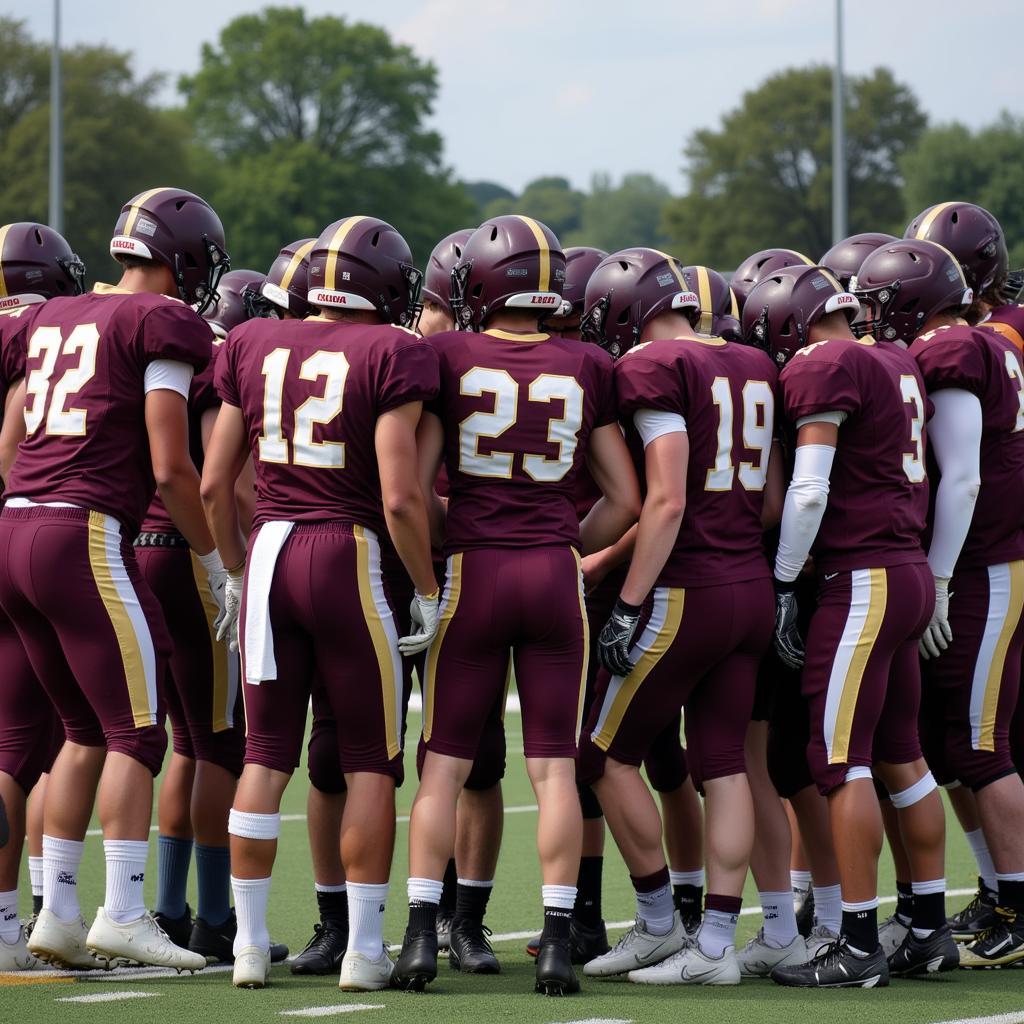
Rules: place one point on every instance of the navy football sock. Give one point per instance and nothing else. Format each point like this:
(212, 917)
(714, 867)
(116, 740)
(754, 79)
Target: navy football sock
(213, 875)
(173, 856)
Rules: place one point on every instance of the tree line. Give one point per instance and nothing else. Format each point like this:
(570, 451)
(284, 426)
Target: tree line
(292, 121)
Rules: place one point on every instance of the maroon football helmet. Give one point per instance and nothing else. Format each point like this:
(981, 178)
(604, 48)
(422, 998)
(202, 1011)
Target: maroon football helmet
(364, 263)
(236, 300)
(845, 257)
(628, 289)
(286, 285)
(719, 310)
(36, 264)
(437, 281)
(509, 262)
(753, 268)
(906, 283)
(785, 304)
(972, 235)
(580, 262)
(181, 231)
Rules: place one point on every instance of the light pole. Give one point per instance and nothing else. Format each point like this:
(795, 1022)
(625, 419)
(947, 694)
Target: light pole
(56, 130)
(839, 226)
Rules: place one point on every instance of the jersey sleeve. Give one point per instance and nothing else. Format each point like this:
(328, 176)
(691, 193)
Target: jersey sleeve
(643, 383)
(409, 373)
(606, 404)
(225, 381)
(811, 385)
(950, 360)
(13, 343)
(204, 395)
(175, 331)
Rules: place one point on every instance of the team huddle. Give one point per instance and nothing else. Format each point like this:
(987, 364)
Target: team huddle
(779, 515)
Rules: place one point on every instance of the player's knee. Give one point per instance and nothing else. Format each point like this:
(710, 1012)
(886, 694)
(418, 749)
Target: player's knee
(667, 769)
(589, 803)
(147, 746)
(487, 771)
(590, 762)
(323, 765)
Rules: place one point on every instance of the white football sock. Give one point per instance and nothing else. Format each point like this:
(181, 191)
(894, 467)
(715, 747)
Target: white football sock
(10, 926)
(558, 897)
(800, 880)
(779, 917)
(251, 896)
(35, 874)
(986, 869)
(657, 910)
(717, 930)
(687, 878)
(61, 859)
(126, 873)
(366, 918)
(828, 907)
(424, 890)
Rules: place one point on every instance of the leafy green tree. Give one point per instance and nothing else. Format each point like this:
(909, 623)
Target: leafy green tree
(484, 192)
(312, 119)
(618, 216)
(984, 167)
(765, 176)
(551, 200)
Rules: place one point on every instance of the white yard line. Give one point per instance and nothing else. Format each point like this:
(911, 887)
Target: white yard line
(1013, 1017)
(331, 1011)
(107, 997)
(117, 974)
(597, 1020)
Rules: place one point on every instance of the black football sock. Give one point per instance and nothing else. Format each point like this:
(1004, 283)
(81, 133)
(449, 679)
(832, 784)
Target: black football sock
(471, 901)
(333, 907)
(688, 900)
(557, 923)
(860, 928)
(1011, 895)
(904, 903)
(449, 892)
(37, 903)
(422, 916)
(588, 895)
(929, 912)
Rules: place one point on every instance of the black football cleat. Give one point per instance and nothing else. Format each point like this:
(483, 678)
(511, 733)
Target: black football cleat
(324, 952)
(555, 976)
(837, 966)
(177, 929)
(933, 955)
(805, 914)
(445, 920)
(417, 963)
(978, 915)
(586, 943)
(216, 941)
(469, 951)
(1002, 945)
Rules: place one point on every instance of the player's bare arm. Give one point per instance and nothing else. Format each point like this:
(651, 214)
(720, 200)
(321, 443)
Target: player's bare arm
(12, 432)
(613, 472)
(430, 444)
(226, 455)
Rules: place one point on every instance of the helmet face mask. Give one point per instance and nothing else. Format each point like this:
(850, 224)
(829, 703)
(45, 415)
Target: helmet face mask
(205, 293)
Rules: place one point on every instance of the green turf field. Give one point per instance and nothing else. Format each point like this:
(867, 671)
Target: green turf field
(515, 908)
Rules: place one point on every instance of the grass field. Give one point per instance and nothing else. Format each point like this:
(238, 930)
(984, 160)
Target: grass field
(128, 997)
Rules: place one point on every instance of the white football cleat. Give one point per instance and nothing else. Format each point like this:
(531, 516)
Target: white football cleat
(637, 948)
(819, 940)
(14, 956)
(62, 943)
(141, 941)
(891, 933)
(691, 966)
(252, 968)
(758, 957)
(361, 974)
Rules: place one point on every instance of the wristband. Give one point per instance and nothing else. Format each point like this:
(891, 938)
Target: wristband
(622, 608)
(783, 586)
(237, 570)
(211, 562)
(430, 597)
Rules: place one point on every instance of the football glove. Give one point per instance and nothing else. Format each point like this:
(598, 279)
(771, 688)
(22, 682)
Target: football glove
(789, 644)
(938, 636)
(228, 628)
(424, 620)
(217, 577)
(617, 637)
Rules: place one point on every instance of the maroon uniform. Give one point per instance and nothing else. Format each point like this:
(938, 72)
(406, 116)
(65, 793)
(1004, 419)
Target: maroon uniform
(316, 604)
(708, 620)
(1009, 322)
(518, 411)
(68, 576)
(976, 682)
(861, 676)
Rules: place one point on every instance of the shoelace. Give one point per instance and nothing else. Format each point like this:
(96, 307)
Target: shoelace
(478, 934)
(973, 907)
(1005, 919)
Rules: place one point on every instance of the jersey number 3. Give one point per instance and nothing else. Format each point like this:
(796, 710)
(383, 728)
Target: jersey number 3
(40, 403)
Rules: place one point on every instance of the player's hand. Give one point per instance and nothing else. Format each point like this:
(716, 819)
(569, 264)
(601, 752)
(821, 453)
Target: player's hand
(938, 636)
(424, 620)
(228, 628)
(594, 571)
(217, 577)
(617, 637)
(789, 644)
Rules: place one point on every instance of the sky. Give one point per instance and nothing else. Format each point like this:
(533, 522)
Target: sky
(574, 87)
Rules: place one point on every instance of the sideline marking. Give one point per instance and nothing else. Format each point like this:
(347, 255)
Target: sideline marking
(1013, 1017)
(9, 979)
(116, 974)
(597, 1020)
(331, 1011)
(107, 997)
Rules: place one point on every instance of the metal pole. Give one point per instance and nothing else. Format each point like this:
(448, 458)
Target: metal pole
(56, 130)
(839, 227)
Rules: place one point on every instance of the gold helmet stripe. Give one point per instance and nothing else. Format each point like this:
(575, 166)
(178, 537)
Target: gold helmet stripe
(673, 265)
(734, 306)
(956, 262)
(832, 279)
(704, 294)
(544, 284)
(929, 219)
(136, 207)
(334, 248)
(799, 256)
(3, 239)
(300, 254)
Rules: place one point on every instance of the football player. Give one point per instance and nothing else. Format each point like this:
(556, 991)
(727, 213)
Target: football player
(762, 262)
(519, 410)
(973, 644)
(719, 308)
(843, 260)
(36, 264)
(699, 413)
(107, 380)
(335, 515)
(859, 496)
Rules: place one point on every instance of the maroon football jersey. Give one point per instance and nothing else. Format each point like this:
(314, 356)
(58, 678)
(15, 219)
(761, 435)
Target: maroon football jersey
(1009, 322)
(202, 396)
(518, 411)
(311, 392)
(12, 345)
(85, 364)
(987, 365)
(878, 488)
(726, 394)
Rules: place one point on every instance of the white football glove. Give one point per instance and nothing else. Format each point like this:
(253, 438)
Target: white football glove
(228, 628)
(217, 577)
(424, 617)
(938, 636)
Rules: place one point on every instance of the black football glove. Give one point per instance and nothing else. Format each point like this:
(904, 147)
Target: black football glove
(789, 644)
(614, 642)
